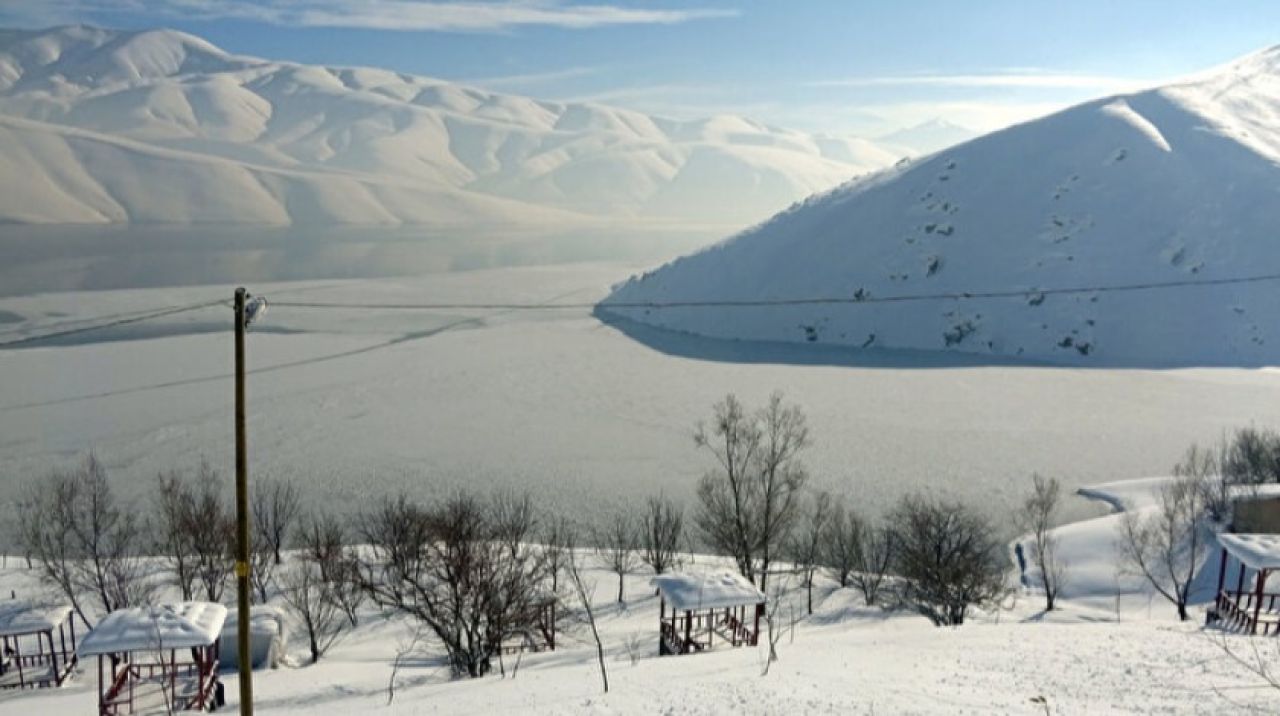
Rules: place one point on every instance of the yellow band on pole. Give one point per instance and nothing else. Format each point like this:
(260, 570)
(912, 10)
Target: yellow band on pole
(242, 569)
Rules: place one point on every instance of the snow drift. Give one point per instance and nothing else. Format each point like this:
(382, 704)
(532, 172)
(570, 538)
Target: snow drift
(1178, 184)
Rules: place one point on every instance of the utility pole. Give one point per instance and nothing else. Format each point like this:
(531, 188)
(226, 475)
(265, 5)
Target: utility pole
(242, 519)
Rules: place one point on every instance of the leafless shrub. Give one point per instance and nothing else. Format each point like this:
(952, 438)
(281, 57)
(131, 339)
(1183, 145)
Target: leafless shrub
(1251, 457)
(309, 597)
(633, 647)
(1038, 517)
(749, 503)
(447, 566)
(1166, 547)
(661, 532)
(617, 542)
(857, 553)
(84, 544)
(949, 558)
(323, 542)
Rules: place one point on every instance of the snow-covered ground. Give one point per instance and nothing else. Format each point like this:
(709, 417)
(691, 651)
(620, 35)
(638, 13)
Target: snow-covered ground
(356, 404)
(1095, 655)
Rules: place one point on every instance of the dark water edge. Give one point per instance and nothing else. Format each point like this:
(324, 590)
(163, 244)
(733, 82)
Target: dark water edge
(43, 259)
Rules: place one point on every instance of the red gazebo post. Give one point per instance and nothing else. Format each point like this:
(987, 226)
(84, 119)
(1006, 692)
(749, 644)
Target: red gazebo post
(1239, 590)
(1257, 605)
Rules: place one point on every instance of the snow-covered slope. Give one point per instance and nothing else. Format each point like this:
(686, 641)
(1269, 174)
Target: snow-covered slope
(360, 145)
(1175, 184)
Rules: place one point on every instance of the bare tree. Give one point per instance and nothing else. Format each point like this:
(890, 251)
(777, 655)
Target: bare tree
(558, 541)
(750, 501)
(276, 506)
(1038, 517)
(210, 527)
(262, 569)
(617, 545)
(514, 518)
(85, 544)
(195, 532)
(172, 540)
(949, 558)
(309, 598)
(805, 547)
(1166, 546)
(779, 618)
(840, 549)
(447, 566)
(661, 532)
(585, 595)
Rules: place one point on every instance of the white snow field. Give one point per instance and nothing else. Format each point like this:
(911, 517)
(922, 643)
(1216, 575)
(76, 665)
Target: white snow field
(1096, 655)
(356, 404)
(1175, 184)
(99, 126)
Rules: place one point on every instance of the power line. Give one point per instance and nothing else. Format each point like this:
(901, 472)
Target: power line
(818, 300)
(747, 303)
(111, 324)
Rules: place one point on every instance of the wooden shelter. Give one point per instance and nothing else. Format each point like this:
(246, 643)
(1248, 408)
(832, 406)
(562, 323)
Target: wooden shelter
(1249, 609)
(160, 658)
(704, 605)
(541, 636)
(29, 655)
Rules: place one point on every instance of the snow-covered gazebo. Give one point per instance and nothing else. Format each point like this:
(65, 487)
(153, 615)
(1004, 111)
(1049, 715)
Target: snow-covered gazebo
(29, 656)
(1248, 610)
(162, 657)
(703, 605)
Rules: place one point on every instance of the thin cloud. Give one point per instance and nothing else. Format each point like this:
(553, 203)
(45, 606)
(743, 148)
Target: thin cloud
(1000, 80)
(436, 15)
(532, 78)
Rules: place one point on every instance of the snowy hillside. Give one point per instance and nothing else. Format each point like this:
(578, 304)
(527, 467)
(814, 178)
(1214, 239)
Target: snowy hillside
(1111, 647)
(1175, 184)
(102, 126)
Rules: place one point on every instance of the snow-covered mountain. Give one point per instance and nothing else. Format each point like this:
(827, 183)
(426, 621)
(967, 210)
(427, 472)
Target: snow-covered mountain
(1175, 184)
(927, 137)
(160, 126)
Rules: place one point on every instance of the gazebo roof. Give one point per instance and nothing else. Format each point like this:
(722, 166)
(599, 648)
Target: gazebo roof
(19, 617)
(1259, 551)
(707, 591)
(140, 629)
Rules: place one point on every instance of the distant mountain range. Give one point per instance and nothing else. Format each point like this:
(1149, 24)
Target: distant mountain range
(100, 126)
(1175, 185)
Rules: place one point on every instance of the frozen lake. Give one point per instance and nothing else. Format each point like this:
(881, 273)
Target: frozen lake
(356, 404)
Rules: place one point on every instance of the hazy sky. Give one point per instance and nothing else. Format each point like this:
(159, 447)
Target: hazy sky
(843, 66)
